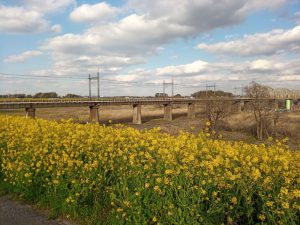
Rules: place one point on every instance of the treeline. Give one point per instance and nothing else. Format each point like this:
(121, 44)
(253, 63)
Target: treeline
(40, 95)
(210, 93)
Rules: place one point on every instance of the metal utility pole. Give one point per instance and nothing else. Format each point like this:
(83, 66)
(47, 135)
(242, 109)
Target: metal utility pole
(90, 91)
(90, 85)
(98, 84)
(235, 88)
(210, 86)
(172, 87)
(168, 83)
(214, 89)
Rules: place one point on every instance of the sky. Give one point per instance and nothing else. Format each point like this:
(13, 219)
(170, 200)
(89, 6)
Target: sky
(136, 45)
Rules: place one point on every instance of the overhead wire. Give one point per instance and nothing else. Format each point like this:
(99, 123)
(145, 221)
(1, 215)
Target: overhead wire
(130, 83)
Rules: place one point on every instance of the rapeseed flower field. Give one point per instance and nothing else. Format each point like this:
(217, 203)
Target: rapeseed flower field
(120, 175)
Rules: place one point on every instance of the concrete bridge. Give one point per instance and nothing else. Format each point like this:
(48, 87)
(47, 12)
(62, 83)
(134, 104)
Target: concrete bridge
(94, 105)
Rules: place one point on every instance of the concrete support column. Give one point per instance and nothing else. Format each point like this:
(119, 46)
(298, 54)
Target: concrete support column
(247, 106)
(168, 112)
(137, 114)
(94, 114)
(30, 112)
(239, 106)
(275, 104)
(242, 105)
(191, 111)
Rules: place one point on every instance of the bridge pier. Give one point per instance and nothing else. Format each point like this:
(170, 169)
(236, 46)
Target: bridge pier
(30, 112)
(137, 114)
(275, 104)
(191, 111)
(247, 106)
(239, 106)
(242, 103)
(94, 114)
(168, 112)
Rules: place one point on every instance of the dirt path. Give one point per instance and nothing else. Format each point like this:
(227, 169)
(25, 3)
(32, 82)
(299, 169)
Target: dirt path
(15, 213)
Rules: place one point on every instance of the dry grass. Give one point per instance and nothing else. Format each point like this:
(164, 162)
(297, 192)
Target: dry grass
(118, 114)
(237, 126)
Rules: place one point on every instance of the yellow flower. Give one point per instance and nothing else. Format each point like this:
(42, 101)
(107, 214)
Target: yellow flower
(270, 203)
(168, 171)
(158, 180)
(229, 219)
(261, 217)
(119, 210)
(234, 200)
(156, 188)
(285, 205)
(270, 139)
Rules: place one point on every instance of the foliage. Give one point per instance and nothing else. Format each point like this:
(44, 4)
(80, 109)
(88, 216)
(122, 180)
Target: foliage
(72, 96)
(46, 95)
(118, 175)
(210, 93)
(160, 95)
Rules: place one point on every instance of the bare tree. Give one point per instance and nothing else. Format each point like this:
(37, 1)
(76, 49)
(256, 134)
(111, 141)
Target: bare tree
(216, 110)
(266, 117)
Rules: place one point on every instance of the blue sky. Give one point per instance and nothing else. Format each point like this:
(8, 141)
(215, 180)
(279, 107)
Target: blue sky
(52, 45)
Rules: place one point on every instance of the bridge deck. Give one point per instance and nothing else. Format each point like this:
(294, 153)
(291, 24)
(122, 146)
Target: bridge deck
(102, 102)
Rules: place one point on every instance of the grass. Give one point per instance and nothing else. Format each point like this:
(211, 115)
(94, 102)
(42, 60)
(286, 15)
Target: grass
(238, 126)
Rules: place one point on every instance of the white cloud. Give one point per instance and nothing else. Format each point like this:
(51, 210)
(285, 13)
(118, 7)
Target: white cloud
(56, 28)
(151, 25)
(200, 71)
(20, 20)
(94, 13)
(133, 35)
(117, 45)
(66, 64)
(192, 68)
(264, 65)
(274, 42)
(22, 57)
(47, 6)
(290, 78)
(30, 16)
(296, 17)
(201, 15)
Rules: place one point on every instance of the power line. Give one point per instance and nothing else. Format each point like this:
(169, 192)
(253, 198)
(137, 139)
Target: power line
(31, 76)
(14, 75)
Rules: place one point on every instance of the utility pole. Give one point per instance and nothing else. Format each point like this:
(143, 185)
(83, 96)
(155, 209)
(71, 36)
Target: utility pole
(98, 84)
(90, 91)
(214, 89)
(90, 85)
(235, 89)
(168, 83)
(210, 86)
(172, 87)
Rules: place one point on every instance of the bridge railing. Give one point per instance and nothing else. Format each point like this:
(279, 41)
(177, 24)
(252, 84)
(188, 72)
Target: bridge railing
(104, 99)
